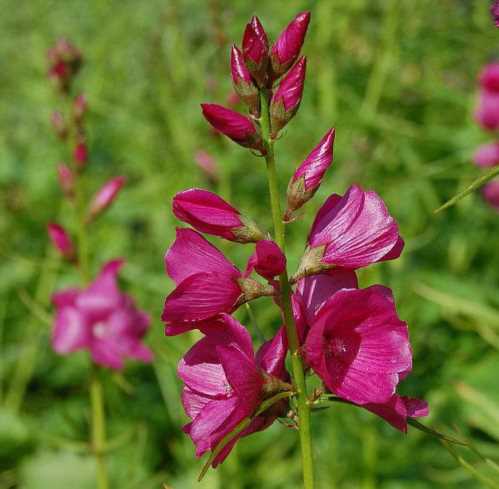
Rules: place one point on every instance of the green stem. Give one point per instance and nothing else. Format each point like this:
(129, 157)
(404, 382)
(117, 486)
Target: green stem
(298, 372)
(98, 441)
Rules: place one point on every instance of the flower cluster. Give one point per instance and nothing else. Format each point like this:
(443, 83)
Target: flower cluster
(487, 116)
(351, 338)
(98, 318)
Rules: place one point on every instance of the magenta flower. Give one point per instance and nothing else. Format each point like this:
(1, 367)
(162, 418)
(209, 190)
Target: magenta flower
(101, 319)
(287, 97)
(487, 112)
(62, 241)
(487, 155)
(80, 154)
(207, 283)
(358, 346)
(66, 180)
(494, 11)
(256, 50)
(225, 383)
(235, 126)
(398, 409)
(209, 213)
(351, 232)
(243, 84)
(105, 196)
(490, 193)
(287, 48)
(65, 61)
(207, 164)
(489, 77)
(308, 176)
(268, 260)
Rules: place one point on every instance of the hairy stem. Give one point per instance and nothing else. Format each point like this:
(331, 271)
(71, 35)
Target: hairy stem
(298, 373)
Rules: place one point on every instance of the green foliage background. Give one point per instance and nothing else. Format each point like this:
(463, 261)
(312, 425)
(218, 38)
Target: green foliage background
(397, 78)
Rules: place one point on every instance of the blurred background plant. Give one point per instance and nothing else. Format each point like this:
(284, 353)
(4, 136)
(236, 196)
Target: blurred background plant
(398, 81)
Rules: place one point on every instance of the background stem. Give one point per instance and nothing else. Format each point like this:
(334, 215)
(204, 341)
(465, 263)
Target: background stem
(298, 374)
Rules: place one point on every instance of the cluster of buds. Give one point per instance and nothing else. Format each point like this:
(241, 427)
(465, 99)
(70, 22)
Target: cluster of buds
(98, 318)
(487, 116)
(351, 338)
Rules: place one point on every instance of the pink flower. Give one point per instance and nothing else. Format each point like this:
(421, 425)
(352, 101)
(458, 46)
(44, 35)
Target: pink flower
(494, 11)
(256, 50)
(225, 383)
(66, 180)
(61, 241)
(80, 154)
(490, 193)
(288, 45)
(308, 176)
(207, 164)
(65, 62)
(235, 126)
(268, 260)
(398, 409)
(351, 232)
(358, 346)
(243, 84)
(209, 213)
(487, 155)
(489, 77)
(207, 283)
(487, 112)
(105, 196)
(101, 319)
(287, 97)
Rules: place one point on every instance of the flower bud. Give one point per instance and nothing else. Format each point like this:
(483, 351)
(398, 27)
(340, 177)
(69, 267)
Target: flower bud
(61, 241)
(487, 112)
(494, 11)
(234, 125)
(268, 260)
(489, 77)
(207, 164)
(490, 193)
(243, 84)
(66, 180)
(80, 154)
(287, 97)
(59, 124)
(79, 107)
(287, 47)
(487, 155)
(65, 61)
(209, 213)
(256, 51)
(105, 196)
(308, 176)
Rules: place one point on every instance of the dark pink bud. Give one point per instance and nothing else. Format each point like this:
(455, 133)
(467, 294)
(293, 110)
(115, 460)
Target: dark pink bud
(66, 179)
(234, 125)
(287, 47)
(79, 107)
(243, 84)
(65, 61)
(487, 112)
(487, 155)
(494, 11)
(207, 164)
(308, 176)
(490, 193)
(268, 260)
(256, 51)
(61, 241)
(59, 124)
(105, 196)
(287, 97)
(489, 77)
(80, 154)
(209, 213)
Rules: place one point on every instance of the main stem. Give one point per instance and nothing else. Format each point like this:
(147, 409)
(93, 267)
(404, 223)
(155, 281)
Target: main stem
(294, 346)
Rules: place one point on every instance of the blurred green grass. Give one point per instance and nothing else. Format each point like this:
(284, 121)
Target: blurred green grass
(397, 80)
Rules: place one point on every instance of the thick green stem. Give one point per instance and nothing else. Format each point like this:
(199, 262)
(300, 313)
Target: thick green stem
(98, 440)
(298, 373)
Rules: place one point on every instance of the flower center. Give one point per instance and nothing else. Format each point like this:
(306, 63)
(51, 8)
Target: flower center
(99, 329)
(336, 347)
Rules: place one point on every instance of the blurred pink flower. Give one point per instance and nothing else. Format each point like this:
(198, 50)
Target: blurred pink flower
(489, 77)
(207, 164)
(65, 61)
(61, 241)
(490, 193)
(59, 124)
(80, 106)
(358, 346)
(102, 320)
(487, 155)
(487, 111)
(66, 179)
(225, 382)
(105, 196)
(494, 11)
(80, 154)
(209, 213)
(287, 48)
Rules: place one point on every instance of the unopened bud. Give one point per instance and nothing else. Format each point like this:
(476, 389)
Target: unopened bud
(80, 154)
(256, 51)
(243, 84)
(66, 180)
(61, 241)
(79, 107)
(105, 197)
(59, 124)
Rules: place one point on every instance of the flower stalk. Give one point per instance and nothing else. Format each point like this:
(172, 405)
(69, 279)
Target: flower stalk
(298, 372)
